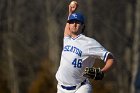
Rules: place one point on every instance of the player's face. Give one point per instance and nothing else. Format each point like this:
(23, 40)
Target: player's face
(75, 26)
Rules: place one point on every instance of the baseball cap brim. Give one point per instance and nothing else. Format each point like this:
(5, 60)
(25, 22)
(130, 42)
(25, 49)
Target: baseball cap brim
(74, 19)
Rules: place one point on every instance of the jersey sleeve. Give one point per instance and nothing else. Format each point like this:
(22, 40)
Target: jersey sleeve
(97, 50)
(66, 38)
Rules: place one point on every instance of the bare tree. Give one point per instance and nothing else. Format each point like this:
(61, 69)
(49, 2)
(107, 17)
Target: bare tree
(136, 45)
(13, 81)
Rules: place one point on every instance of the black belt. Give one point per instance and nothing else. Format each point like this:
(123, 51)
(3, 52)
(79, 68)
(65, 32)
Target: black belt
(68, 87)
(72, 87)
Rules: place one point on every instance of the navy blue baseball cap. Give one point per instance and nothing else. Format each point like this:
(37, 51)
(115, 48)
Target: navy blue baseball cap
(76, 16)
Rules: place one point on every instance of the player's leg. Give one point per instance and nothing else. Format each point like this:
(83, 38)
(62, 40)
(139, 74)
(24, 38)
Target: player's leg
(86, 88)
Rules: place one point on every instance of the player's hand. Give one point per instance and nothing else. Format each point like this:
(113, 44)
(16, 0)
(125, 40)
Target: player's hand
(72, 7)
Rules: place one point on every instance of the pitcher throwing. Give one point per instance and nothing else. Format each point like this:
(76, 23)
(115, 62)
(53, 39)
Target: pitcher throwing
(77, 58)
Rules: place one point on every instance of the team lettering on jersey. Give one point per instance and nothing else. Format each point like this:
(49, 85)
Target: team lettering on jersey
(73, 49)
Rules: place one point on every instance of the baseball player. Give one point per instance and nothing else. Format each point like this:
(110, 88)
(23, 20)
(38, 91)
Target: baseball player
(77, 58)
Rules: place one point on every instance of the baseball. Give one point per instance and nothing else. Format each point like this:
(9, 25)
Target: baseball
(73, 4)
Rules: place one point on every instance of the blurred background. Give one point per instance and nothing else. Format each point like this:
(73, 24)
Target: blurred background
(31, 40)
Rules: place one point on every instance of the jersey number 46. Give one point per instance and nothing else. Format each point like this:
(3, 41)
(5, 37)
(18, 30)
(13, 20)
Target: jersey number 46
(77, 63)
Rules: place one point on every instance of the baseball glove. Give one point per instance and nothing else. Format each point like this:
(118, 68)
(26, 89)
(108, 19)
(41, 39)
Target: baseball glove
(93, 73)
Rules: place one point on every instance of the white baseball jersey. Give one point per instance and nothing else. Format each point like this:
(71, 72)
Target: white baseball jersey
(77, 54)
